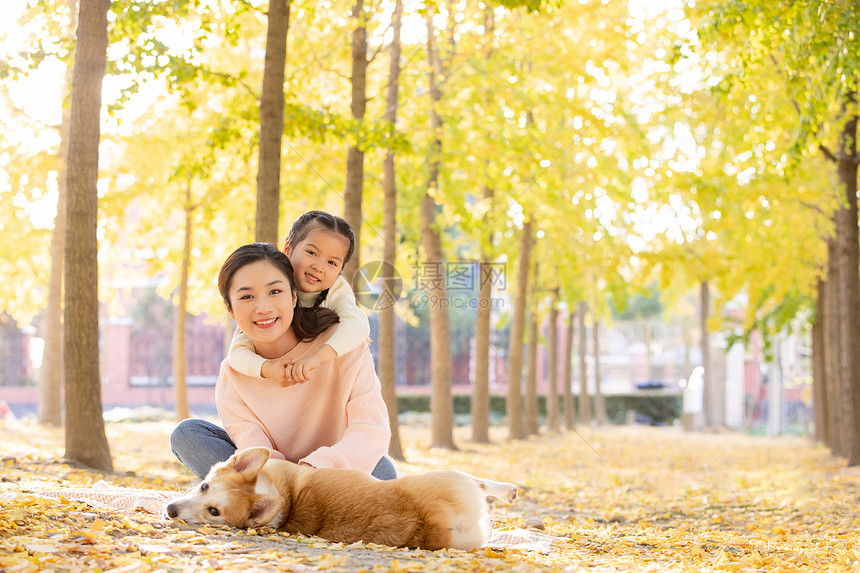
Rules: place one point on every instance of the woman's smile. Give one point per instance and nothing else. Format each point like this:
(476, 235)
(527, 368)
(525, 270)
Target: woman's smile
(266, 322)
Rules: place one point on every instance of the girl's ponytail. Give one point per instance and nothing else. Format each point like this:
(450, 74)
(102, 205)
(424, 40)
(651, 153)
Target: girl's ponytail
(320, 299)
(308, 323)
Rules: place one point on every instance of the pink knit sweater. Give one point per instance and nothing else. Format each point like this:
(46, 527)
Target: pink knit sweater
(337, 419)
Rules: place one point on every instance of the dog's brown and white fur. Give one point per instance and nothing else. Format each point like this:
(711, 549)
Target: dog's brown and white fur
(434, 510)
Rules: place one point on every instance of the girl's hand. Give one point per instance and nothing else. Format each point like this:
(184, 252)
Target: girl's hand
(300, 370)
(277, 372)
(271, 370)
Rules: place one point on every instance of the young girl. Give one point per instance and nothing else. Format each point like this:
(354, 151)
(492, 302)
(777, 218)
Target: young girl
(339, 422)
(318, 245)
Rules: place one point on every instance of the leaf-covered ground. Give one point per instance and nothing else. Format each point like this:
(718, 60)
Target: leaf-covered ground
(613, 499)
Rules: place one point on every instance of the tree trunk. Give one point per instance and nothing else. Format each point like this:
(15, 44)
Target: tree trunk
(86, 441)
(480, 404)
(711, 393)
(50, 408)
(481, 392)
(775, 388)
(272, 123)
(552, 421)
(599, 405)
(532, 421)
(848, 260)
(584, 403)
(648, 343)
(180, 387)
(355, 156)
(387, 370)
(568, 372)
(51, 372)
(441, 401)
(819, 378)
(832, 350)
(516, 430)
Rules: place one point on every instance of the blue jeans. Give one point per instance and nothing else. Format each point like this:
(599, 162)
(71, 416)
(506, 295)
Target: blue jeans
(199, 445)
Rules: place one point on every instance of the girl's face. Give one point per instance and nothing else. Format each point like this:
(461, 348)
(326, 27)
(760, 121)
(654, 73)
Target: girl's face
(262, 306)
(317, 259)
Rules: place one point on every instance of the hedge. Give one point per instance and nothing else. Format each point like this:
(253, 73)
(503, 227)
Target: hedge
(650, 408)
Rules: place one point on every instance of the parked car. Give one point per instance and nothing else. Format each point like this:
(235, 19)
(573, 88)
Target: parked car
(652, 385)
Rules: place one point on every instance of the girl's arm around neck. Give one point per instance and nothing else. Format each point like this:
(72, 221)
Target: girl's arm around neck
(354, 328)
(243, 356)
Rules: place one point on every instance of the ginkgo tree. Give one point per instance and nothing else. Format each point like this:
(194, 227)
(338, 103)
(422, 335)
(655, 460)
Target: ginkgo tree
(713, 184)
(522, 116)
(587, 134)
(208, 172)
(142, 51)
(801, 62)
(45, 175)
(201, 184)
(584, 121)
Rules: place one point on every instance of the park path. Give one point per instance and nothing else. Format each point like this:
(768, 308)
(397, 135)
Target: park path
(628, 498)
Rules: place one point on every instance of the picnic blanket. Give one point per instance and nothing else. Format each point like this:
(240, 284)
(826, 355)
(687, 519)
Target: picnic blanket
(104, 496)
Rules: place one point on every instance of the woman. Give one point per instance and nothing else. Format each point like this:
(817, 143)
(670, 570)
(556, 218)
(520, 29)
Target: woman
(336, 419)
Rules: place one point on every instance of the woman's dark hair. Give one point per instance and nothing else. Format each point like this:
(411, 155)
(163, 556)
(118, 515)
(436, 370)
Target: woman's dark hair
(309, 221)
(307, 323)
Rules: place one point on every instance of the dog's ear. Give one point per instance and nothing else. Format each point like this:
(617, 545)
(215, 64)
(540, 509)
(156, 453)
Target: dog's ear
(249, 462)
(263, 509)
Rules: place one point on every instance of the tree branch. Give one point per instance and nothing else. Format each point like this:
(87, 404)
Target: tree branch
(812, 207)
(381, 46)
(257, 9)
(827, 153)
(316, 59)
(248, 88)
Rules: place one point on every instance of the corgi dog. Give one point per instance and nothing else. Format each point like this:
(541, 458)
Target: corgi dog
(434, 510)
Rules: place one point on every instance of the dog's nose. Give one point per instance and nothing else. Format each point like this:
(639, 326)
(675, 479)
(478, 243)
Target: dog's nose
(171, 511)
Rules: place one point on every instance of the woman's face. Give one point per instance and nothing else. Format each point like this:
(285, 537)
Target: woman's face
(262, 306)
